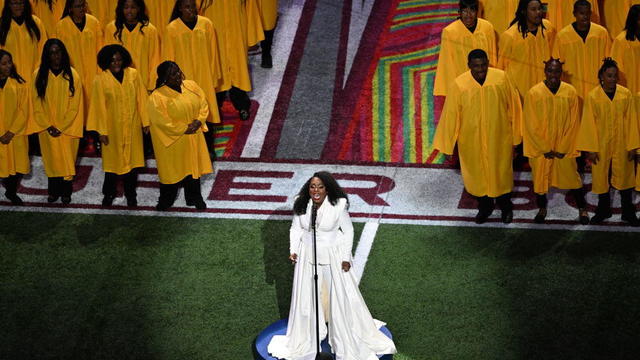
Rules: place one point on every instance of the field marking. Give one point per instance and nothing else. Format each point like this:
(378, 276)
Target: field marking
(364, 248)
(267, 82)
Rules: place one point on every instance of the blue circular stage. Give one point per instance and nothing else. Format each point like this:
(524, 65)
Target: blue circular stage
(280, 328)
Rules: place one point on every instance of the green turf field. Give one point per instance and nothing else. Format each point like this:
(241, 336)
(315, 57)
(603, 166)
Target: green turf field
(117, 287)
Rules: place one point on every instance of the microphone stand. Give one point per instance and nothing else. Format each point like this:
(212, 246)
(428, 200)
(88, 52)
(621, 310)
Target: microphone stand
(314, 214)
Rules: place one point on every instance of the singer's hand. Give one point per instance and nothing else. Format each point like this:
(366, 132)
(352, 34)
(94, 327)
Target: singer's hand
(293, 258)
(346, 266)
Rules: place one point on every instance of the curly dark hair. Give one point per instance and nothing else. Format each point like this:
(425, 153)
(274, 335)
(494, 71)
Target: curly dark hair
(42, 78)
(5, 22)
(521, 18)
(14, 72)
(143, 18)
(106, 54)
(334, 192)
(631, 26)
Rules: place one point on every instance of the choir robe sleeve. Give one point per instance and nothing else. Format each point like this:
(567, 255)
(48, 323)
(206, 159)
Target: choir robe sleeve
(74, 111)
(97, 118)
(141, 101)
(40, 120)
(535, 143)
(445, 72)
(153, 53)
(346, 226)
(588, 133)
(203, 112)
(295, 235)
(255, 28)
(169, 132)
(504, 50)
(567, 143)
(448, 128)
(632, 136)
(619, 48)
(17, 123)
(515, 111)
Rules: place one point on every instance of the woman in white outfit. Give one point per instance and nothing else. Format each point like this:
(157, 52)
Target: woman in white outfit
(353, 333)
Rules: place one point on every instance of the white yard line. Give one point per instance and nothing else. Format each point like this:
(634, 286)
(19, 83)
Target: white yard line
(364, 248)
(267, 82)
(360, 11)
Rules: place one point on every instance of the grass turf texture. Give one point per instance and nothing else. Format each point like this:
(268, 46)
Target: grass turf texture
(117, 287)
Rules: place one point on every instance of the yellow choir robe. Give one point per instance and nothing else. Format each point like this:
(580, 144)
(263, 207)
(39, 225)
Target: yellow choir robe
(159, 12)
(25, 51)
(560, 12)
(48, 16)
(610, 128)
(104, 10)
(457, 41)
(83, 47)
(268, 13)
(14, 107)
(144, 48)
(499, 13)
(196, 52)
(522, 58)
(551, 123)
(614, 14)
(231, 23)
(119, 110)
(582, 60)
(485, 120)
(65, 113)
(179, 155)
(627, 54)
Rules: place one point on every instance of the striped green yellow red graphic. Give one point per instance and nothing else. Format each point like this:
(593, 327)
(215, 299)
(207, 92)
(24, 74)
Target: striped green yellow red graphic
(396, 111)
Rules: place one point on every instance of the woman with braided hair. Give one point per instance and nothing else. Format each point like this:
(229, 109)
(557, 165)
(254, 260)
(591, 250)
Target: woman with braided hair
(526, 45)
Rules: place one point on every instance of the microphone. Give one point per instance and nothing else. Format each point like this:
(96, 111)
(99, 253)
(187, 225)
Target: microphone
(314, 215)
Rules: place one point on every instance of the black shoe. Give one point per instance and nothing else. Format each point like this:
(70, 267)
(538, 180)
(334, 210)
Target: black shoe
(267, 61)
(630, 218)
(15, 200)
(162, 207)
(52, 198)
(483, 215)
(132, 202)
(107, 200)
(583, 217)
(600, 216)
(244, 114)
(66, 200)
(200, 204)
(506, 216)
(540, 216)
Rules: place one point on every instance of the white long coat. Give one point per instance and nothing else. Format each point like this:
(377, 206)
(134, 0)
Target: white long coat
(353, 333)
